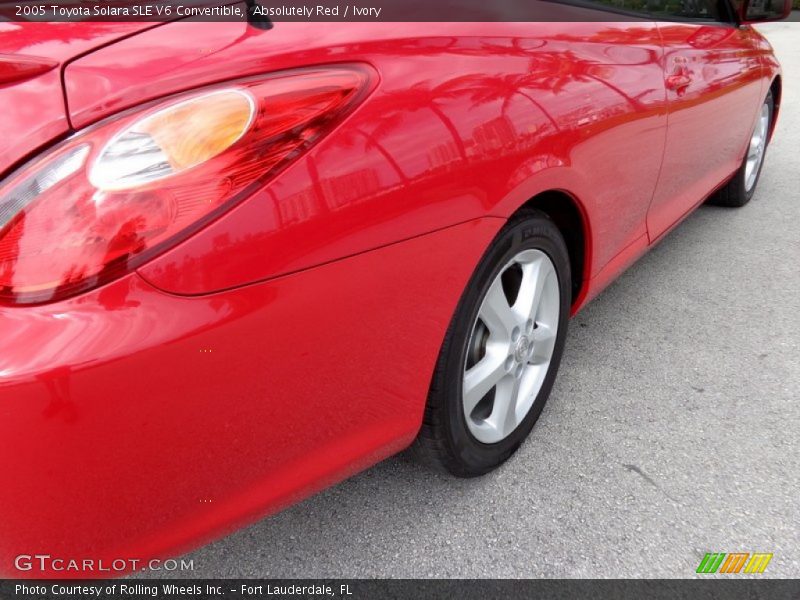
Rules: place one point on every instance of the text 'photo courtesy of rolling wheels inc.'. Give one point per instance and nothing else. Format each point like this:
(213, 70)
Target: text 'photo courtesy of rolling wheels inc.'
(399, 299)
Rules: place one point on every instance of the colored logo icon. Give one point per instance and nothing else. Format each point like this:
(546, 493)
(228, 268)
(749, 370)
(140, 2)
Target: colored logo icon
(742, 562)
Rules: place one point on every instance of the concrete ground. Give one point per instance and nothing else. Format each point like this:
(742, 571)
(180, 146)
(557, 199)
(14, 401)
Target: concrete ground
(673, 430)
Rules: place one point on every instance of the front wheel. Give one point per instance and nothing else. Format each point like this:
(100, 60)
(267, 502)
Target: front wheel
(741, 188)
(501, 352)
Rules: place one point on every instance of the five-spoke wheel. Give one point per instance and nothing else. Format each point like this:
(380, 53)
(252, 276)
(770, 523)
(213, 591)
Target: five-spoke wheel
(501, 352)
(511, 346)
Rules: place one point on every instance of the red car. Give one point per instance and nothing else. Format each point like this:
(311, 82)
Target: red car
(239, 264)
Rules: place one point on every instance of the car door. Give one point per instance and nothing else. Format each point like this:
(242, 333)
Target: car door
(713, 81)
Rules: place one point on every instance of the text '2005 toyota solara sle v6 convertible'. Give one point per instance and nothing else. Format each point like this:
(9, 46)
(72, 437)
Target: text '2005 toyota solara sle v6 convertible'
(239, 263)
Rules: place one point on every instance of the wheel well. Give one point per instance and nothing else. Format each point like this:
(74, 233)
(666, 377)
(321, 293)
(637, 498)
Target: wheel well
(777, 91)
(565, 212)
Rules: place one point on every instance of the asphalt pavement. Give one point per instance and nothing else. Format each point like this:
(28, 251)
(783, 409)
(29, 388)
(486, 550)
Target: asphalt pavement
(673, 429)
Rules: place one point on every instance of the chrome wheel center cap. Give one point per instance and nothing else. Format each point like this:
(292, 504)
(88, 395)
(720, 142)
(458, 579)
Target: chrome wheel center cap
(522, 349)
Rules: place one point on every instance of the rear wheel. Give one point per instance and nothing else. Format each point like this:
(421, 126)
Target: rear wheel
(501, 352)
(740, 190)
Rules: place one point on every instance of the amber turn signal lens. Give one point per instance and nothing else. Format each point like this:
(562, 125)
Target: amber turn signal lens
(173, 139)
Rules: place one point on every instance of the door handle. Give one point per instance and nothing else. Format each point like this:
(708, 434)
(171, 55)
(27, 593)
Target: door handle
(681, 77)
(678, 82)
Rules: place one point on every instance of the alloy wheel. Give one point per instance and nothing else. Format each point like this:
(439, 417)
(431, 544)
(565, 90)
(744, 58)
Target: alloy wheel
(757, 149)
(511, 346)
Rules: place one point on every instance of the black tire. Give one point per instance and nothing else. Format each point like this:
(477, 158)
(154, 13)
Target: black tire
(735, 193)
(445, 441)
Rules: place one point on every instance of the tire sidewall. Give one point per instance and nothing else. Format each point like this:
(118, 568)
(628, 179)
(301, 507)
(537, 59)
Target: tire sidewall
(535, 232)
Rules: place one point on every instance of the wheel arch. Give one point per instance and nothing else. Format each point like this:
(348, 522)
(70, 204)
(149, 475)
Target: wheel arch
(570, 217)
(776, 87)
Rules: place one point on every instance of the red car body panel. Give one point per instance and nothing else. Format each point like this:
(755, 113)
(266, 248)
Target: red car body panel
(33, 111)
(256, 362)
(169, 418)
(483, 113)
(705, 145)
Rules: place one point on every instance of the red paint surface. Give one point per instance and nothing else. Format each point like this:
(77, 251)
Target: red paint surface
(257, 361)
(33, 111)
(123, 410)
(710, 118)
